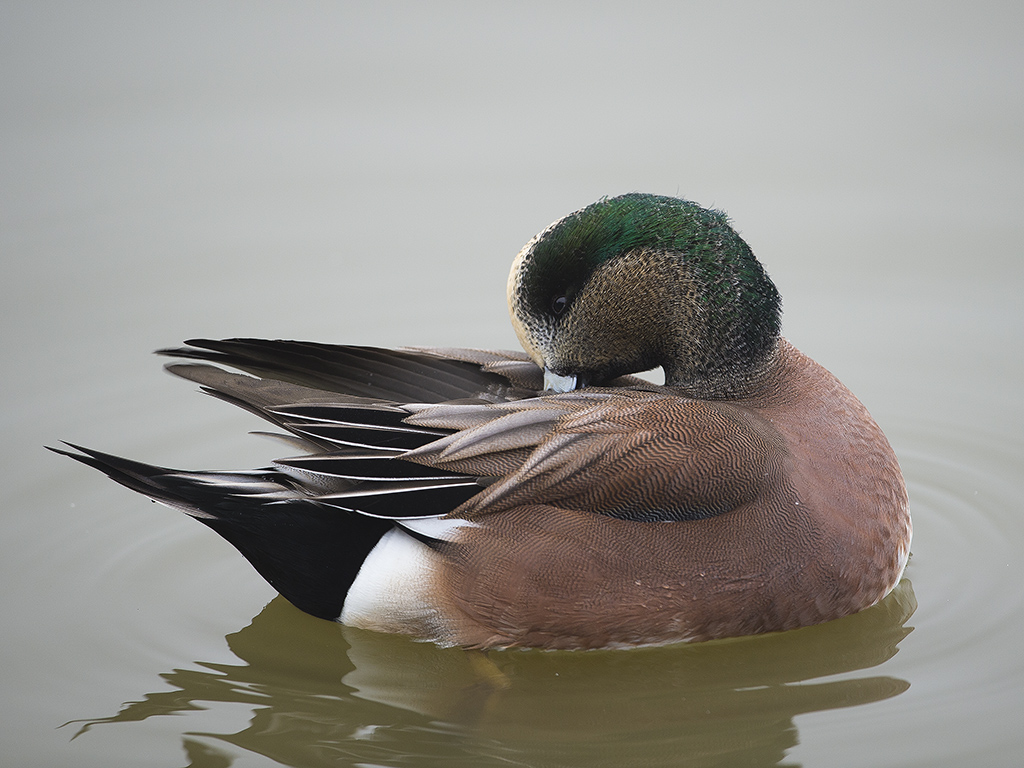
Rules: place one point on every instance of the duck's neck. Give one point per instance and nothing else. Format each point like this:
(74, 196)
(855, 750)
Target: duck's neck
(725, 379)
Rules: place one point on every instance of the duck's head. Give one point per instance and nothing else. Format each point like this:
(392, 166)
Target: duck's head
(639, 281)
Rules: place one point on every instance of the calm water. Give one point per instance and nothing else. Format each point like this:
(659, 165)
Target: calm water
(367, 177)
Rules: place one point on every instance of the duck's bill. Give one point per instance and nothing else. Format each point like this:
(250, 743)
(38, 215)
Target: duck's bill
(555, 383)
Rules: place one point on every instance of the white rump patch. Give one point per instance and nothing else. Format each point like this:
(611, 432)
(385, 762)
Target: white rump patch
(394, 590)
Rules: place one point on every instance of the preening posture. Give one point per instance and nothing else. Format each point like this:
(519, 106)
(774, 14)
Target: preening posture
(550, 499)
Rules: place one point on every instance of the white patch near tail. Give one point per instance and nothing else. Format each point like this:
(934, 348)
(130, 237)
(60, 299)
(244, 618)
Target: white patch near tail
(394, 590)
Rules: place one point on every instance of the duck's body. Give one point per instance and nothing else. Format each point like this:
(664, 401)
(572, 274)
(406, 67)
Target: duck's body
(447, 497)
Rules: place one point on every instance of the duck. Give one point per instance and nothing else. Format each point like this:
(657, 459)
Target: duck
(552, 498)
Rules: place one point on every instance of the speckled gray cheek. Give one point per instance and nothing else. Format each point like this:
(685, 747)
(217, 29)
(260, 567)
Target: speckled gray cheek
(635, 309)
(535, 334)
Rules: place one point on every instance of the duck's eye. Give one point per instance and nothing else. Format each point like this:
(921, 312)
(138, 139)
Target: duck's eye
(559, 303)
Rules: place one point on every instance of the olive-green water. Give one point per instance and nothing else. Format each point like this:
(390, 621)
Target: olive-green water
(366, 175)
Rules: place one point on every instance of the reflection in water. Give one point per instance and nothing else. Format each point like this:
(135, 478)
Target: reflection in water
(322, 694)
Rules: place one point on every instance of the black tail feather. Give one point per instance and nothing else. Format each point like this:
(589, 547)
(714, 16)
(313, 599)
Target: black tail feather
(307, 551)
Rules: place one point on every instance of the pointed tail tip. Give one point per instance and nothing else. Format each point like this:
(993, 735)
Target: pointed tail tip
(83, 454)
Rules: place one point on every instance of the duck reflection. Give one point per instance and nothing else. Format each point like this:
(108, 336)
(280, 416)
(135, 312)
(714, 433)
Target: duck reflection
(323, 694)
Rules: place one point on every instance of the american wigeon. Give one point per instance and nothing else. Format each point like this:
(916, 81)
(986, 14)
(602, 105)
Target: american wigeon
(550, 499)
